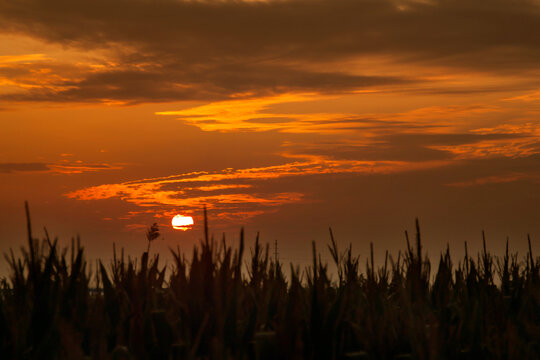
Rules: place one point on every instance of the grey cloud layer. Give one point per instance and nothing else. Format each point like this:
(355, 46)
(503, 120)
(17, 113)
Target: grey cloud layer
(16, 167)
(413, 147)
(61, 167)
(297, 28)
(164, 83)
(210, 50)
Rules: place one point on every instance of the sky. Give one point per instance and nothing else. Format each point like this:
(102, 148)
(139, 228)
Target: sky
(283, 116)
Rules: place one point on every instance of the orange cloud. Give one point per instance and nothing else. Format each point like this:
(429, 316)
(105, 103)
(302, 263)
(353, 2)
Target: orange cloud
(62, 167)
(235, 191)
(529, 128)
(6, 59)
(529, 97)
(511, 148)
(254, 115)
(258, 114)
(497, 179)
(79, 167)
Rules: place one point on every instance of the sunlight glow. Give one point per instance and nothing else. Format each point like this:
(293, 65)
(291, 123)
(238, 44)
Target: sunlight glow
(181, 222)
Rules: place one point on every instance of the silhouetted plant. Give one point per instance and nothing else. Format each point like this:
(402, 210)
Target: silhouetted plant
(152, 233)
(220, 306)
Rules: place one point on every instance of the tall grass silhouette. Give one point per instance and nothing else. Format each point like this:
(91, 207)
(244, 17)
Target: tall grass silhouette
(224, 304)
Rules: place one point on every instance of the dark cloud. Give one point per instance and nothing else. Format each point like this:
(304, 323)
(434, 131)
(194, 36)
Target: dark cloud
(445, 90)
(286, 29)
(62, 167)
(511, 169)
(414, 147)
(17, 167)
(446, 139)
(383, 152)
(372, 125)
(169, 83)
(210, 50)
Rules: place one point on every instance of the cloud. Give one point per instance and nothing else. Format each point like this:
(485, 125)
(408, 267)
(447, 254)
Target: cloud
(258, 115)
(131, 84)
(169, 50)
(252, 115)
(529, 97)
(427, 133)
(62, 167)
(291, 29)
(497, 179)
(79, 167)
(411, 146)
(25, 58)
(22, 167)
(487, 149)
(233, 191)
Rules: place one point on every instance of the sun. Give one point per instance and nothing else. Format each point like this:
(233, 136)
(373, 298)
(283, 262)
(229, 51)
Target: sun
(181, 222)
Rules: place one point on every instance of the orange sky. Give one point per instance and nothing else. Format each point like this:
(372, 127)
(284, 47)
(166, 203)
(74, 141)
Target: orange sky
(281, 116)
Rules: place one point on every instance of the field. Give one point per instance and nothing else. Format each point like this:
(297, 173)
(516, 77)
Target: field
(226, 304)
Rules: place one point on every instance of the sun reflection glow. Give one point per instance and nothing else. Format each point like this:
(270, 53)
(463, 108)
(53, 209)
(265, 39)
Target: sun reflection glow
(181, 222)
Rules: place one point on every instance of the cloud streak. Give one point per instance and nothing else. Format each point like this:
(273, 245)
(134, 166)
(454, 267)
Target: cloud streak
(236, 190)
(8, 168)
(498, 179)
(62, 167)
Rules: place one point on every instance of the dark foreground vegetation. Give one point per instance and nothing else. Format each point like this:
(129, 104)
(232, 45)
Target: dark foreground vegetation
(228, 304)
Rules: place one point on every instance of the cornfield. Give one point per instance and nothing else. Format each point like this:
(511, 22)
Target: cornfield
(224, 304)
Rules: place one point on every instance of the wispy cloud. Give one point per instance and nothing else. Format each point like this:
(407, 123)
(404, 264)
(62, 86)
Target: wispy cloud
(528, 97)
(22, 167)
(79, 167)
(61, 167)
(25, 58)
(497, 179)
(247, 114)
(255, 115)
(488, 149)
(234, 191)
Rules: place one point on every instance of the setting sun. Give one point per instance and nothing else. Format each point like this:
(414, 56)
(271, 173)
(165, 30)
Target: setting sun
(270, 121)
(181, 222)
